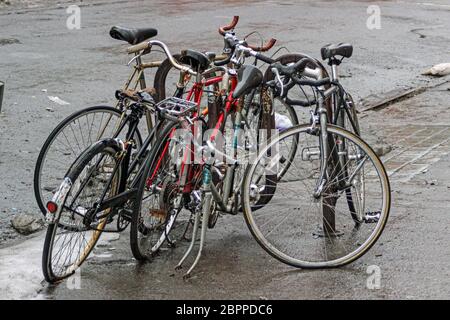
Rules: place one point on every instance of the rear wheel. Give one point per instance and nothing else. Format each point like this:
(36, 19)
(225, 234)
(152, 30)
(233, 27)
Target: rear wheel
(158, 209)
(73, 235)
(166, 79)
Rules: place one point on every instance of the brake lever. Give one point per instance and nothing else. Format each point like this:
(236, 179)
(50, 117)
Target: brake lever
(278, 77)
(134, 58)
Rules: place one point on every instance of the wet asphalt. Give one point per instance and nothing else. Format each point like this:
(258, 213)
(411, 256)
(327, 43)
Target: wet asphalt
(85, 67)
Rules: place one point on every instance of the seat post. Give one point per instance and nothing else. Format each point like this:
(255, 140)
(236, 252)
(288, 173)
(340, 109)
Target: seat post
(333, 62)
(334, 73)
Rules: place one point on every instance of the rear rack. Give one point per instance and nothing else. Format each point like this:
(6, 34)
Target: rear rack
(175, 105)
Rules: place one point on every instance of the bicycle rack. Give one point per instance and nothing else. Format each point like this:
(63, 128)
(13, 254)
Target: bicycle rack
(2, 88)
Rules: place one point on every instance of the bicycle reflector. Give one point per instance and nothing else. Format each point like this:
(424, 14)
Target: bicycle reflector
(52, 207)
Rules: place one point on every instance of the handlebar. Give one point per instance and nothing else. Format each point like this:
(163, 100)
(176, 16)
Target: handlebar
(162, 45)
(266, 47)
(296, 72)
(312, 83)
(269, 44)
(222, 62)
(299, 67)
(251, 50)
(224, 29)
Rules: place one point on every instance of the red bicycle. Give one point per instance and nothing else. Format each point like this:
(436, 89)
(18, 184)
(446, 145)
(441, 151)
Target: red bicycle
(186, 179)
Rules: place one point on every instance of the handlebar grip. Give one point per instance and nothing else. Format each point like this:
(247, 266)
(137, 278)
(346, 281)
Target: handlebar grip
(265, 47)
(263, 58)
(299, 66)
(301, 103)
(313, 83)
(233, 24)
(222, 62)
(221, 57)
(138, 47)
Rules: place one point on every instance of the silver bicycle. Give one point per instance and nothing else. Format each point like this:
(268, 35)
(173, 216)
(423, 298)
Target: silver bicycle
(338, 204)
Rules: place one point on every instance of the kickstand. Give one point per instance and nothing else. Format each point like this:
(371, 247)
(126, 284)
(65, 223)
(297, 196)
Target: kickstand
(205, 217)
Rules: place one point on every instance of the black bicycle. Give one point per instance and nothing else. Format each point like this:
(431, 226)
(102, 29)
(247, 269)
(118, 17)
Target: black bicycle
(100, 187)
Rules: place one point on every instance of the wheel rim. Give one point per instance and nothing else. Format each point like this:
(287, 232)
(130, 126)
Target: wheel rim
(72, 241)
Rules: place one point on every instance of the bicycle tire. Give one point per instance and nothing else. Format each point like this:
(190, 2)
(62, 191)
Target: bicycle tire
(277, 253)
(110, 147)
(139, 253)
(159, 83)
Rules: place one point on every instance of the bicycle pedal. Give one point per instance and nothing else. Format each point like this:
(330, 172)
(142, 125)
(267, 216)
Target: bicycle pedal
(372, 217)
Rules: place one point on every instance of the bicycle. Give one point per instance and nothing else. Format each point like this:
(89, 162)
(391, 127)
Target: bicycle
(316, 229)
(212, 187)
(99, 186)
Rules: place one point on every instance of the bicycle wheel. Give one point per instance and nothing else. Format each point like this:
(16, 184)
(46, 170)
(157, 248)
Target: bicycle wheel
(166, 79)
(157, 211)
(288, 113)
(303, 231)
(67, 141)
(257, 129)
(71, 237)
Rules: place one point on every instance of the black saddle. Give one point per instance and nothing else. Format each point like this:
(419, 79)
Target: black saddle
(341, 49)
(132, 36)
(197, 60)
(249, 77)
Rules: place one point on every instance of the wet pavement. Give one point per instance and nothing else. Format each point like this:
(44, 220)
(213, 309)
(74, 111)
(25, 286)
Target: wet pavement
(84, 67)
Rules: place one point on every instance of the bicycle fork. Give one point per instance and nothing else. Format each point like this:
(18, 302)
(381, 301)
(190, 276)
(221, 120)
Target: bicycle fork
(323, 139)
(322, 192)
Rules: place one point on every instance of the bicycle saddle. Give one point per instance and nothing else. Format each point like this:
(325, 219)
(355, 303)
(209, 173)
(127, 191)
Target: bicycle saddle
(341, 49)
(132, 36)
(249, 77)
(197, 60)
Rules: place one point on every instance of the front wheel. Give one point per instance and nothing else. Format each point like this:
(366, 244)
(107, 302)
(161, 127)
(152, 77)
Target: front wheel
(295, 226)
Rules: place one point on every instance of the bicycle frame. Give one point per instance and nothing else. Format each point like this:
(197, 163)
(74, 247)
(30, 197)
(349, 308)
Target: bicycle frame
(338, 157)
(135, 79)
(195, 93)
(124, 194)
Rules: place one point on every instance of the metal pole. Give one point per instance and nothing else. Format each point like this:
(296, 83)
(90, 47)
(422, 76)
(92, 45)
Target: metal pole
(2, 86)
